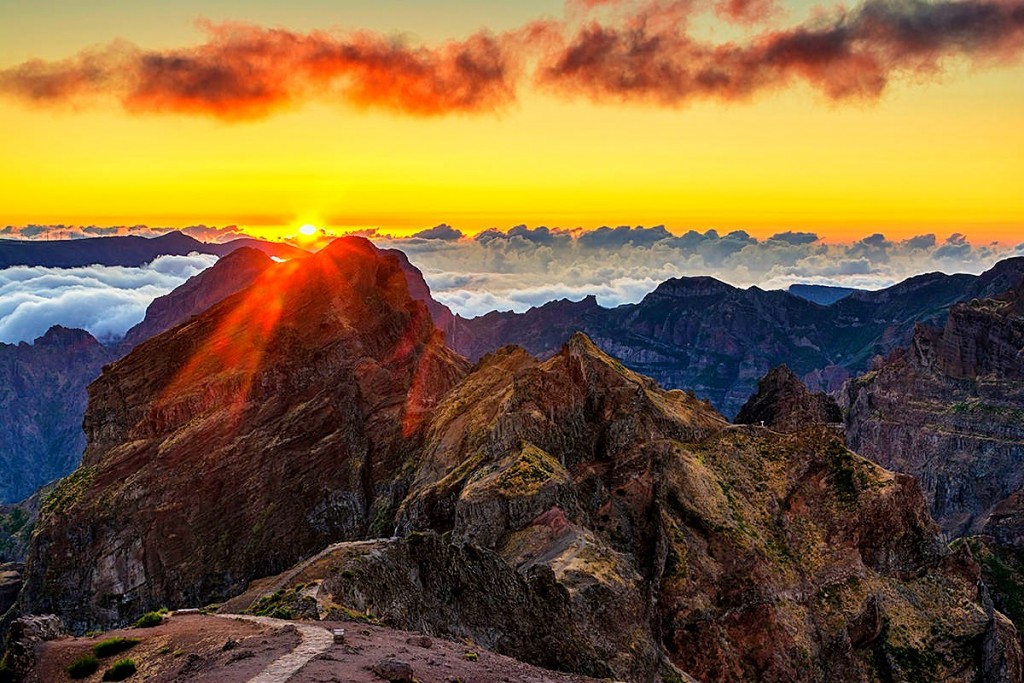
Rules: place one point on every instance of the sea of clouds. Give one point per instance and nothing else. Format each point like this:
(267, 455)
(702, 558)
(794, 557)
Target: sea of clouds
(525, 267)
(105, 300)
(513, 269)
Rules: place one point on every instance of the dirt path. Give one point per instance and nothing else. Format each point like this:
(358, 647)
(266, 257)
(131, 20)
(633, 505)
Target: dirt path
(315, 641)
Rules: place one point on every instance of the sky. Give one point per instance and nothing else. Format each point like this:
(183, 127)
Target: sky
(896, 116)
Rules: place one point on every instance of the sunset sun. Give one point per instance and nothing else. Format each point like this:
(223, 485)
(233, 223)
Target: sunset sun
(307, 230)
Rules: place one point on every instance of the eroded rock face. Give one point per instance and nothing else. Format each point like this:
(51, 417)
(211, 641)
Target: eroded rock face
(234, 445)
(950, 411)
(783, 403)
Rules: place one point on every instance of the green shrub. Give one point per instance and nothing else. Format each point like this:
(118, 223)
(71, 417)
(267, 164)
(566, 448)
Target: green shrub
(114, 646)
(149, 620)
(120, 671)
(83, 666)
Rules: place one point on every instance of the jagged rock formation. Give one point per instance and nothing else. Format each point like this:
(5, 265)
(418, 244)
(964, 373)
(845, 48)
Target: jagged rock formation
(783, 403)
(950, 410)
(707, 336)
(568, 512)
(42, 399)
(235, 444)
(231, 274)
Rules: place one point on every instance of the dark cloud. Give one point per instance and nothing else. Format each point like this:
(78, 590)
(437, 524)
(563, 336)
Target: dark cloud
(854, 55)
(921, 242)
(642, 51)
(791, 237)
(624, 235)
(955, 246)
(439, 232)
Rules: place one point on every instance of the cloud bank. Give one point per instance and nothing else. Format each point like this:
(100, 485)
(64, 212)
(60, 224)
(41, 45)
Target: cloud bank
(105, 300)
(526, 267)
(605, 50)
(202, 233)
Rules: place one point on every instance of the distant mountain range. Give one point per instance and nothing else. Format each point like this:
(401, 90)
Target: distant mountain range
(717, 340)
(949, 409)
(130, 250)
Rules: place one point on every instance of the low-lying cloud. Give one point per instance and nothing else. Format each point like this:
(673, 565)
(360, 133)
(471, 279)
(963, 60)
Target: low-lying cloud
(605, 50)
(525, 267)
(105, 300)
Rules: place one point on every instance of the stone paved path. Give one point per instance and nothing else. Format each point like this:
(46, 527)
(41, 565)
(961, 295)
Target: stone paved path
(315, 640)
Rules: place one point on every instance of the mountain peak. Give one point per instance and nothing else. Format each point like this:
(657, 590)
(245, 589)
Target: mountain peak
(64, 337)
(783, 403)
(685, 287)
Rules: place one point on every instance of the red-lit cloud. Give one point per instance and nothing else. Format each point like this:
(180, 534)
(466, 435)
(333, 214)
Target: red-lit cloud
(615, 50)
(248, 72)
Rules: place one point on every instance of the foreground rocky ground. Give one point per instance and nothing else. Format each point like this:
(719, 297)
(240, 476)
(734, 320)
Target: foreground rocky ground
(222, 649)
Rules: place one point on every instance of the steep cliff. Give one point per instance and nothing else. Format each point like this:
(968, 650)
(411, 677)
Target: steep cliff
(950, 410)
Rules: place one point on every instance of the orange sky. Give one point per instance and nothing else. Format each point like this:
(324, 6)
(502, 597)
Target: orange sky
(933, 154)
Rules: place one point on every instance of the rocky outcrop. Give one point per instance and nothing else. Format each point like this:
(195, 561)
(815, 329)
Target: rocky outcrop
(10, 584)
(234, 445)
(950, 411)
(783, 403)
(42, 399)
(22, 641)
(442, 316)
(717, 340)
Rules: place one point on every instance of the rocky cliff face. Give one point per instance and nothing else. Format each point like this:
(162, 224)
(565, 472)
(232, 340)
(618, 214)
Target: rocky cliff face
(783, 403)
(42, 399)
(235, 444)
(717, 340)
(950, 411)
